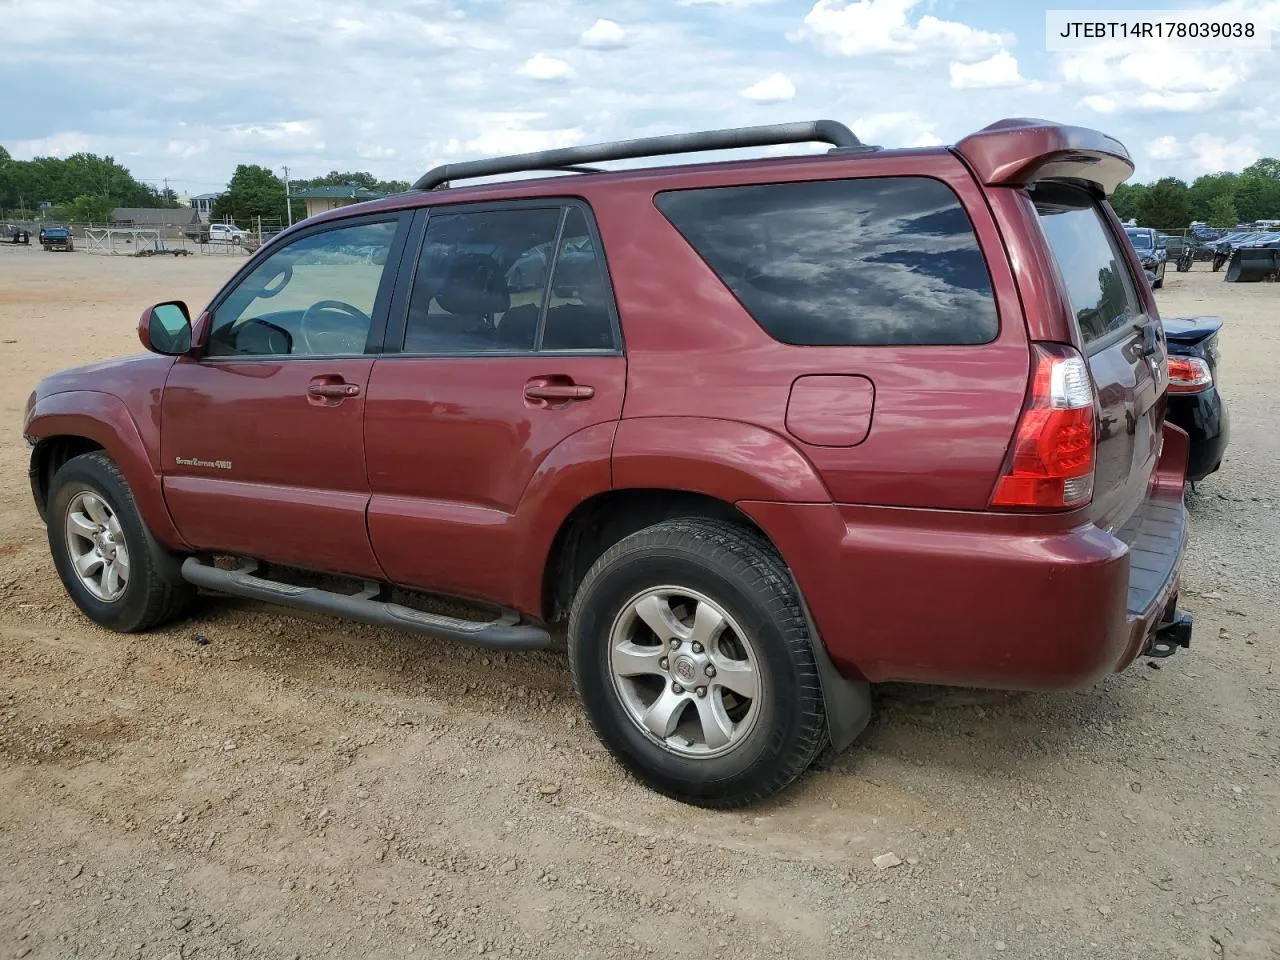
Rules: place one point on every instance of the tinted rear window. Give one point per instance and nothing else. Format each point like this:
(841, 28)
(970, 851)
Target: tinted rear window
(1098, 283)
(877, 261)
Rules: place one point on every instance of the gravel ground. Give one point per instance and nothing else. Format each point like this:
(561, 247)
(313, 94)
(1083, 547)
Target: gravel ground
(253, 784)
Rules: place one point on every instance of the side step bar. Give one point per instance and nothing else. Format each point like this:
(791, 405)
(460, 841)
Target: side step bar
(505, 633)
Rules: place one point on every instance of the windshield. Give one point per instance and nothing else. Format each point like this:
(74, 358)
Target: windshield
(1139, 239)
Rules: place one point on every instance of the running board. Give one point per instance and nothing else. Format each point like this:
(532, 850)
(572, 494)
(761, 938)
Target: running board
(505, 633)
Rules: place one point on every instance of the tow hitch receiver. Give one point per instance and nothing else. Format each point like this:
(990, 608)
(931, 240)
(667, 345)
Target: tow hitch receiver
(1169, 636)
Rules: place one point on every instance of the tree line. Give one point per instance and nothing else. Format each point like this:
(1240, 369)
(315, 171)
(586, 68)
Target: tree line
(85, 188)
(81, 187)
(1218, 199)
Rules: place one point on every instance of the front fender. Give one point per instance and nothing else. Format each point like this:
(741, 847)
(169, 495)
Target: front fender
(104, 419)
(725, 459)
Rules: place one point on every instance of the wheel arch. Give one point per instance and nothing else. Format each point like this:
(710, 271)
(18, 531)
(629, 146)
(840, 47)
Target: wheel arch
(78, 421)
(600, 521)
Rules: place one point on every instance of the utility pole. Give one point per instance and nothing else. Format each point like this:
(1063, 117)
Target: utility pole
(288, 204)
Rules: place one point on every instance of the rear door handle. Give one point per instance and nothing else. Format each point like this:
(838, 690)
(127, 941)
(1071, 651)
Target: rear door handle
(333, 391)
(552, 391)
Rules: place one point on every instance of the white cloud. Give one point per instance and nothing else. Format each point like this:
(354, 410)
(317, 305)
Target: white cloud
(1000, 70)
(1164, 148)
(298, 133)
(185, 149)
(1203, 153)
(542, 67)
(55, 145)
(857, 27)
(504, 133)
(896, 130)
(772, 89)
(1150, 102)
(603, 35)
(724, 3)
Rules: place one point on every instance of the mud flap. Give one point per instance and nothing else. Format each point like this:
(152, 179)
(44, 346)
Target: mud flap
(847, 702)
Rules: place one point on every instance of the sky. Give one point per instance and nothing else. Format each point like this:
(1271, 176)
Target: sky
(188, 89)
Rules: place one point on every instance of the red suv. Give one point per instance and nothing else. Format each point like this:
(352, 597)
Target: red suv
(763, 432)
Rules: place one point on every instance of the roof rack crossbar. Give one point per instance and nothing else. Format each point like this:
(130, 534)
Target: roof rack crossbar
(812, 131)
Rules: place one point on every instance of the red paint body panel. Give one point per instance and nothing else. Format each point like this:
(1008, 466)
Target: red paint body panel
(457, 458)
(829, 411)
(107, 421)
(1019, 151)
(294, 488)
(710, 359)
(955, 597)
(719, 458)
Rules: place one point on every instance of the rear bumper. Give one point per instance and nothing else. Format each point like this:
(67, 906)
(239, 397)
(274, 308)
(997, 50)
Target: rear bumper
(1204, 417)
(982, 599)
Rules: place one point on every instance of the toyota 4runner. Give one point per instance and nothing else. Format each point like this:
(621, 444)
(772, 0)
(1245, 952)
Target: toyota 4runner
(762, 432)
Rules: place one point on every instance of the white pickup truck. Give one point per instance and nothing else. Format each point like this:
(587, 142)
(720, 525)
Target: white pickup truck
(218, 233)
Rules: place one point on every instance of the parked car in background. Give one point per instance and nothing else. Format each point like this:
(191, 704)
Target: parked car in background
(769, 431)
(1151, 253)
(216, 233)
(1195, 400)
(227, 233)
(57, 238)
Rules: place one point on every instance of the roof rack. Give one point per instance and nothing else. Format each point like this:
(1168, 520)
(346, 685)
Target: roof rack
(568, 158)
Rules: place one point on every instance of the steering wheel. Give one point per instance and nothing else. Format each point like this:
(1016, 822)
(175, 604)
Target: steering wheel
(335, 336)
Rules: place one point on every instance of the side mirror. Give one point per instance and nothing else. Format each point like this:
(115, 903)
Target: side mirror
(166, 328)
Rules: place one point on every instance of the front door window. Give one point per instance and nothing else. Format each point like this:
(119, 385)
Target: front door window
(312, 298)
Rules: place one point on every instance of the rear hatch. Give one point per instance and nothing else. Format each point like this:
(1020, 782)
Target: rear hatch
(1123, 345)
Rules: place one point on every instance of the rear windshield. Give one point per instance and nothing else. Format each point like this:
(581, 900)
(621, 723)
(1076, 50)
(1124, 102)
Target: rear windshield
(876, 261)
(1098, 283)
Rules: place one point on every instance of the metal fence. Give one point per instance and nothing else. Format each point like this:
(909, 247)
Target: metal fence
(144, 239)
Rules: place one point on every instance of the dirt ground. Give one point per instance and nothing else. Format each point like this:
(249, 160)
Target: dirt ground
(311, 788)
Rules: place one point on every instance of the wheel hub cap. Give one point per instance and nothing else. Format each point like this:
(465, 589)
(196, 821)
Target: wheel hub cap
(685, 670)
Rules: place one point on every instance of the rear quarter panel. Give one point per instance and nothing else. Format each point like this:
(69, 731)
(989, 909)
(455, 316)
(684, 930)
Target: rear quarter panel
(943, 415)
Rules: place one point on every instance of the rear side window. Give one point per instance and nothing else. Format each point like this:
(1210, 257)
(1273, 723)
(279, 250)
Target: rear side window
(1098, 284)
(509, 281)
(868, 262)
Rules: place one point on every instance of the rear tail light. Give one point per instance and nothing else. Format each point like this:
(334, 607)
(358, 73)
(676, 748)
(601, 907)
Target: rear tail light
(1050, 464)
(1189, 375)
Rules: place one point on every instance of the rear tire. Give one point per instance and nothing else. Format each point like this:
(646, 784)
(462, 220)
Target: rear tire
(109, 563)
(720, 705)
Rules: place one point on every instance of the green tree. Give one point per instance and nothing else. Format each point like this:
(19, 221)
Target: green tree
(1128, 199)
(360, 178)
(253, 192)
(1207, 189)
(1257, 194)
(1166, 205)
(1222, 212)
(89, 209)
(27, 183)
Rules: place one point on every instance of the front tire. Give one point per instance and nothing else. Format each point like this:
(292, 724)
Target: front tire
(692, 657)
(109, 563)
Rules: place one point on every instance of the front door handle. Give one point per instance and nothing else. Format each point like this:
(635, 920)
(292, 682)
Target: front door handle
(328, 390)
(548, 390)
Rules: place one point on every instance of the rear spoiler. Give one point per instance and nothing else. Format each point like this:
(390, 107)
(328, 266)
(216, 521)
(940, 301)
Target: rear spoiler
(1021, 151)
